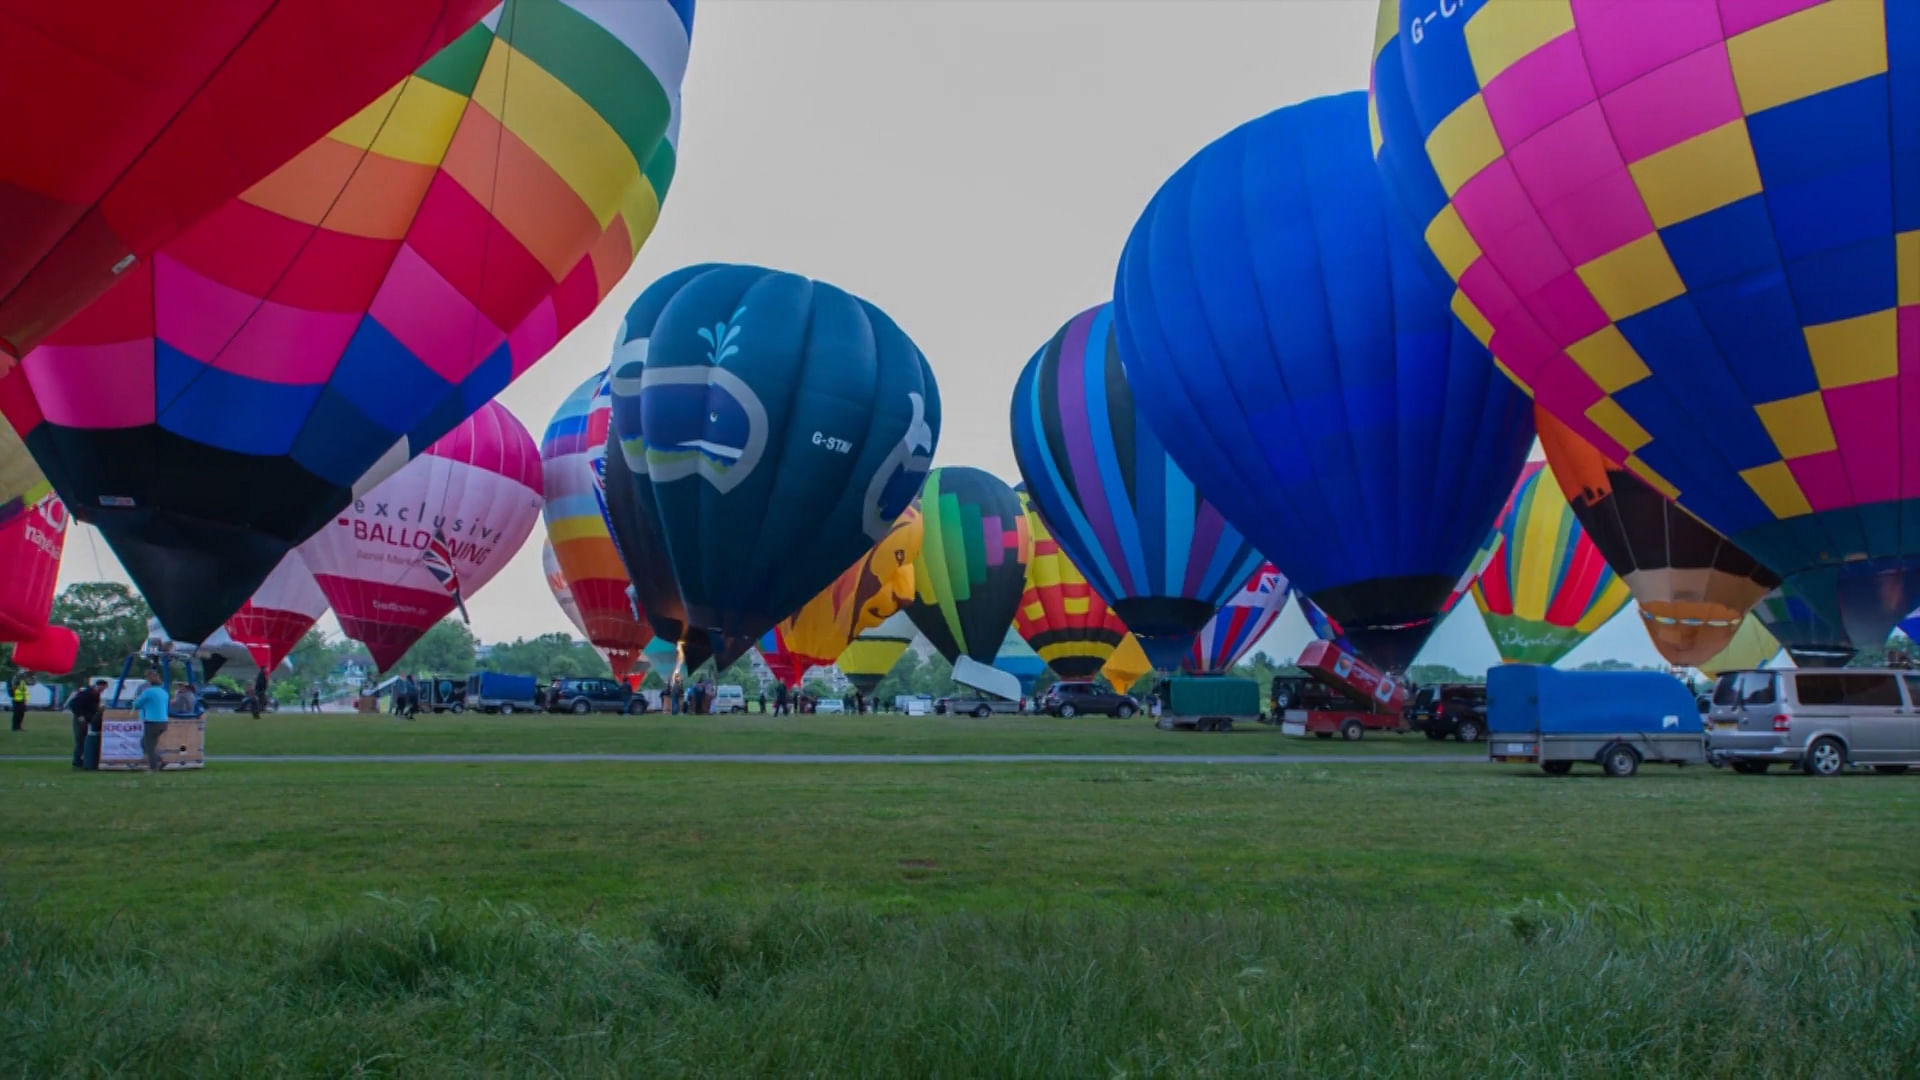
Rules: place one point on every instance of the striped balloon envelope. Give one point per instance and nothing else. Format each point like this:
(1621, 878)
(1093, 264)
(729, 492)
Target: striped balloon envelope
(1686, 227)
(573, 454)
(1060, 615)
(867, 659)
(1244, 619)
(1127, 516)
(279, 613)
(1547, 586)
(423, 540)
(308, 337)
(128, 120)
(557, 584)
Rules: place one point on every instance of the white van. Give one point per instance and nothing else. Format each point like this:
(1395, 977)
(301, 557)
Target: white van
(729, 698)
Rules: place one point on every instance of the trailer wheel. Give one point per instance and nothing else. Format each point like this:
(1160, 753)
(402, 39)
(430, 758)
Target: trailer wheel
(458, 709)
(1556, 768)
(1351, 729)
(1620, 760)
(506, 710)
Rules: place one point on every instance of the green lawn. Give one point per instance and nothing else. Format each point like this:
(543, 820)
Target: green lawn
(750, 733)
(924, 920)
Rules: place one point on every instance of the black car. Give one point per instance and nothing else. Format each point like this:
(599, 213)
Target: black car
(1456, 709)
(1309, 694)
(218, 697)
(582, 696)
(1076, 698)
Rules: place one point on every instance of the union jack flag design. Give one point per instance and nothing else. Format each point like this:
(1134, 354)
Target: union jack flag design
(438, 559)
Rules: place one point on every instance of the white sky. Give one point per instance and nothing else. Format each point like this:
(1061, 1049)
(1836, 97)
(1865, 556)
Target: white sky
(972, 167)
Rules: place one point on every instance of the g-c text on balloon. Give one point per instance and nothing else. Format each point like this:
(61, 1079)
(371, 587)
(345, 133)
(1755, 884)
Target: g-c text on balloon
(1446, 9)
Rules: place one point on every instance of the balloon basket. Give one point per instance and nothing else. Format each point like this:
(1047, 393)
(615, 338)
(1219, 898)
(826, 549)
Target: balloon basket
(182, 745)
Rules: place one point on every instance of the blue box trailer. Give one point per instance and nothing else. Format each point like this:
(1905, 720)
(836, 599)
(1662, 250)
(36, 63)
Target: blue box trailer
(493, 692)
(1613, 719)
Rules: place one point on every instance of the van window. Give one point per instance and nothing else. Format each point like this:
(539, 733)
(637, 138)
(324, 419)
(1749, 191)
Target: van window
(1913, 689)
(1756, 688)
(1856, 691)
(1727, 690)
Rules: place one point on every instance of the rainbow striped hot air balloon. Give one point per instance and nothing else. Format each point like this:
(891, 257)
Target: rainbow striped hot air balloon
(572, 454)
(1547, 586)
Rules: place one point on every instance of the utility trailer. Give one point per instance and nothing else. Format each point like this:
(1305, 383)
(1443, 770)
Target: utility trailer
(1364, 697)
(1206, 702)
(1613, 719)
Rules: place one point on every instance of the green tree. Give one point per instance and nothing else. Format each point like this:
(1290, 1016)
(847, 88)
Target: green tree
(1433, 674)
(110, 621)
(547, 656)
(447, 648)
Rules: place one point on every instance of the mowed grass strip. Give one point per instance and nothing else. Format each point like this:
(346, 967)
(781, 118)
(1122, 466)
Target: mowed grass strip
(295, 733)
(1038, 920)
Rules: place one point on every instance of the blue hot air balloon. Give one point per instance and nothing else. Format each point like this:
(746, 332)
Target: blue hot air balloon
(1125, 514)
(1291, 344)
(770, 428)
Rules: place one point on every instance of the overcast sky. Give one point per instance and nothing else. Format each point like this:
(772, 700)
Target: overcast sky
(972, 167)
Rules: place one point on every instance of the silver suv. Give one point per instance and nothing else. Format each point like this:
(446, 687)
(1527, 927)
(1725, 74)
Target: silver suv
(1822, 720)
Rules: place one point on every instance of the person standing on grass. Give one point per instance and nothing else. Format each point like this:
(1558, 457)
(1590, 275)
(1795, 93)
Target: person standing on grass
(151, 707)
(84, 703)
(316, 699)
(19, 702)
(259, 692)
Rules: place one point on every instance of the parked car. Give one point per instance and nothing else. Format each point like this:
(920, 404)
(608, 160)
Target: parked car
(219, 697)
(1820, 719)
(830, 705)
(1076, 698)
(979, 705)
(729, 698)
(1449, 709)
(582, 696)
(1301, 694)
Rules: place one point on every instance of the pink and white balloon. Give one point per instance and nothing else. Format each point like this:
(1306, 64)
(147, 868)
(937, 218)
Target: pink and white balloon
(413, 548)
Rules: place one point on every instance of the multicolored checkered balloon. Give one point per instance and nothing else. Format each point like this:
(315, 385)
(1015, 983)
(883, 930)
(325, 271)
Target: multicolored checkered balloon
(1691, 229)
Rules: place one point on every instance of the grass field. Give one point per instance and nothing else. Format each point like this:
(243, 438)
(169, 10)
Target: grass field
(925, 920)
(333, 733)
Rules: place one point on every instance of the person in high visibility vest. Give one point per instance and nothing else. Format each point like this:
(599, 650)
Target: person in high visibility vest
(20, 701)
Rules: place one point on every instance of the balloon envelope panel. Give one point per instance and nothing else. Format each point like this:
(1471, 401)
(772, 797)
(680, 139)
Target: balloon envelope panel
(1243, 620)
(307, 337)
(133, 119)
(1116, 503)
(1682, 226)
(1294, 349)
(865, 595)
(771, 429)
(867, 659)
(30, 547)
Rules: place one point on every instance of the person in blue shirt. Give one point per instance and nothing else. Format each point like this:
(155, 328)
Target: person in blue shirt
(151, 707)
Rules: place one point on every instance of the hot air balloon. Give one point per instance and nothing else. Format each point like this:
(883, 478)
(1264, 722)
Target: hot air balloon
(867, 659)
(771, 430)
(573, 456)
(1750, 647)
(1547, 586)
(1292, 347)
(279, 614)
(1060, 615)
(787, 666)
(1244, 619)
(1693, 586)
(861, 598)
(405, 554)
(30, 548)
(1806, 624)
(303, 340)
(131, 120)
(1326, 629)
(562, 592)
(1160, 554)
(22, 484)
(1681, 227)
(1127, 664)
(972, 570)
